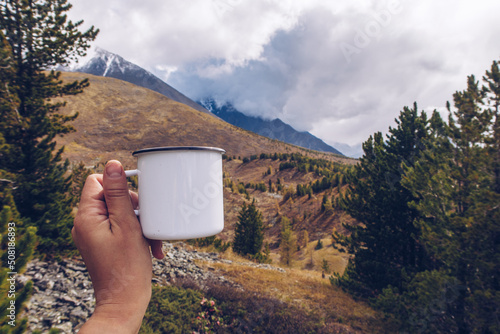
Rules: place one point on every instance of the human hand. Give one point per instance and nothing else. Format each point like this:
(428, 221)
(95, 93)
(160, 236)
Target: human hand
(108, 235)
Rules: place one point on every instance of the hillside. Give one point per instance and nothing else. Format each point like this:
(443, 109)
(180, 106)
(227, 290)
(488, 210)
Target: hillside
(116, 118)
(107, 64)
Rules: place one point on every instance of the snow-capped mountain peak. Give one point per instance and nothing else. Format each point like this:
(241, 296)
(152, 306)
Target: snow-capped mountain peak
(107, 64)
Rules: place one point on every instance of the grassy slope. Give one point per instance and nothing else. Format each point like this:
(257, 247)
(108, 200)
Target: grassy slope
(116, 118)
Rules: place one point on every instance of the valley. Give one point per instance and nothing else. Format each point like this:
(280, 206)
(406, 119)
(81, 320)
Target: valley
(116, 118)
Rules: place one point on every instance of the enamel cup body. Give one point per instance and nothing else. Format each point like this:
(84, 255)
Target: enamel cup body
(180, 192)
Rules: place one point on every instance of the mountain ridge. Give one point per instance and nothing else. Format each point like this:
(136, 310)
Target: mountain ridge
(117, 117)
(106, 64)
(274, 129)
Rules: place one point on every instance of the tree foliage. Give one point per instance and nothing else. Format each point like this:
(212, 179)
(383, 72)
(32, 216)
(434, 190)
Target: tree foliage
(461, 221)
(288, 242)
(36, 36)
(385, 243)
(427, 199)
(248, 233)
(17, 243)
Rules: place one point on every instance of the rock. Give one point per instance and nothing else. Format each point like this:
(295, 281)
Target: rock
(45, 284)
(63, 296)
(78, 315)
(65, 328)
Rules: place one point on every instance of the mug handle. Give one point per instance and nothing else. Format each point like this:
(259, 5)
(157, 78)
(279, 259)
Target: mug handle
(132, 172)
(129, 173)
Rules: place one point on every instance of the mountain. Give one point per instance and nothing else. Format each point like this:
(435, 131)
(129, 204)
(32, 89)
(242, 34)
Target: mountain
(117, 117)
(107, 64)
(274, 129)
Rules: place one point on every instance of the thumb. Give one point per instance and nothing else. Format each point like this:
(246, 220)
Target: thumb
(116, 194)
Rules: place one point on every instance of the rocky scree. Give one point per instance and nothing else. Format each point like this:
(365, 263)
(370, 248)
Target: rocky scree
(63, 297)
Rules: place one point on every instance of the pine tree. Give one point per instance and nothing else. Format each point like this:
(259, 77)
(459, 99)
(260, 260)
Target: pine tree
(39, 37)
(248, 232)
(455, 181)
(385, 244)
(325, 266)
(492, 91)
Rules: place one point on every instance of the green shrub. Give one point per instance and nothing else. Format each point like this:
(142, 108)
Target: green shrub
(172, 310)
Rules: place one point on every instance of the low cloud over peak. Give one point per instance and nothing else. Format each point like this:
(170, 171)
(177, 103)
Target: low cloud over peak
(338, 70)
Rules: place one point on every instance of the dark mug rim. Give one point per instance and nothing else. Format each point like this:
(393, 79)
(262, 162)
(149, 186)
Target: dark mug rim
(179, 148)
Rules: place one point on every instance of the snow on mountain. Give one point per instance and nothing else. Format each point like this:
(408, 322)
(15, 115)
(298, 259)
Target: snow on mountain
(104, 63)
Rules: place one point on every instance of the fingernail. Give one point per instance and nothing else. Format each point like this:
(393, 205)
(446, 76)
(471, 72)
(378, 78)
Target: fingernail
(114, 169)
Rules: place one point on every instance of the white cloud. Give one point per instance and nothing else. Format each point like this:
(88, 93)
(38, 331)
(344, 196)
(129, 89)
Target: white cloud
(339, 69)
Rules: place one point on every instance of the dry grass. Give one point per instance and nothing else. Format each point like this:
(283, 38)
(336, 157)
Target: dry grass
(116, 118)
(303, 289)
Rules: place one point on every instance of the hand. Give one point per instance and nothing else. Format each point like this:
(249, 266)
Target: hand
(108, 235)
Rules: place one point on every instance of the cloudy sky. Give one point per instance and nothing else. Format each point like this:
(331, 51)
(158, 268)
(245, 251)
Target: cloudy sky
(341, 69)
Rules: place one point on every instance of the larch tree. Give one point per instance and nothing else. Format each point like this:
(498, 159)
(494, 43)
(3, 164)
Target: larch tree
(288, 242)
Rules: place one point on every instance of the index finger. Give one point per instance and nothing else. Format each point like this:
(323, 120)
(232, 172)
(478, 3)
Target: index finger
(92, 197)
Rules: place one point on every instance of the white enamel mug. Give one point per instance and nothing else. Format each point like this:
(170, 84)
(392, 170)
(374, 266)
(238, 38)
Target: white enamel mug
(180, 192)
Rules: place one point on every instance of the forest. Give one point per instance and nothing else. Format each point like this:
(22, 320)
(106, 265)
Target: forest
(425, 196)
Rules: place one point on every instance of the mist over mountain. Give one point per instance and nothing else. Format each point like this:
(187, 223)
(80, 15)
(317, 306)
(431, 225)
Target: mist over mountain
(107, 64)
(274, 129)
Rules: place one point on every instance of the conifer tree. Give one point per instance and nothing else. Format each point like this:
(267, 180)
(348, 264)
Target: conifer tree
(385, 245)
(248, 232)
(39, 37)
(456, 183)
(492, 91)
(325, 266)
(288, 242)
(17, 241)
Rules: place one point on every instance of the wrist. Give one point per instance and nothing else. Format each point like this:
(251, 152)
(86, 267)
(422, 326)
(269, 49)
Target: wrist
(115, 319)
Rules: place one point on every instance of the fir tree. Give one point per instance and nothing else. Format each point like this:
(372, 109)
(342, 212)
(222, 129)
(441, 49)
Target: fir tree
(40, 37)
(248, 232)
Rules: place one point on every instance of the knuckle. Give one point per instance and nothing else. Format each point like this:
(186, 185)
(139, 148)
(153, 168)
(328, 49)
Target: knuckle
(116, 193)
